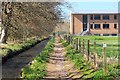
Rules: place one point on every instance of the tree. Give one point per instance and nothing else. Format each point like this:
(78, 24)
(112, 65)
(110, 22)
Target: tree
(6, 18)
(28, 19)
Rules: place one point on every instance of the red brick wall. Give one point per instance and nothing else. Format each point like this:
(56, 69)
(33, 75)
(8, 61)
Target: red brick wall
(111, 23)
(76, 22)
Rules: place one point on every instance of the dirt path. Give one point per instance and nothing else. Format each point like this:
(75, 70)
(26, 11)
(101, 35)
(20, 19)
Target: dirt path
(59, 66)
(12, 68)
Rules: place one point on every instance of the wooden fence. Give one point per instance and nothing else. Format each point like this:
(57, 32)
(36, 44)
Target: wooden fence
(79, 45)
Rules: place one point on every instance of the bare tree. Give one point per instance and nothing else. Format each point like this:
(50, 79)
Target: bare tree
(28, 19)
(6, 18)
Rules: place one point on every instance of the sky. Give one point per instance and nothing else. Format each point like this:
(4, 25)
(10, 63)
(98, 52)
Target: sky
(91, 7)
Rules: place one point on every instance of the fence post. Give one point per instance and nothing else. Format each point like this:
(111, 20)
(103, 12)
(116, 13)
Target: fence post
(54, 34)
(88, 50)
(105, 59)
(72, 42)
(83, 46)
(79, 44)
(70, 39)
(66, 38)
(76, 44)
(95, 56)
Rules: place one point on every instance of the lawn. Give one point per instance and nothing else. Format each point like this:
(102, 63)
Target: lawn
(111, 41)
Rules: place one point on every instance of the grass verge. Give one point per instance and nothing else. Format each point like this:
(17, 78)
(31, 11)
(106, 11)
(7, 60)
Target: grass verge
(10, 50)
(16, 47)
(37, 69)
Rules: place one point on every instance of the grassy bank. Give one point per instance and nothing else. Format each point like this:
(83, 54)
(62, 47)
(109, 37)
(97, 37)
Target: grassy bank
(37, 68)
(87, 71)
(8, 48)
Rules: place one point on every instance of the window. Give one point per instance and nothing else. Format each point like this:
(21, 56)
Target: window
(97, 17)
(115, 26)
(91, 17)
(118, 20)
(97, 26)
(105, 17)
(114, 34)
(97, 34)
(105, 26)
(91, 26)
(85, 18)
(105, 34)
(84, 27)
(115, 16)
(85, 22)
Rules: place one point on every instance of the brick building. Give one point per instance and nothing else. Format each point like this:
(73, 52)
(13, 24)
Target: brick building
(102, 24)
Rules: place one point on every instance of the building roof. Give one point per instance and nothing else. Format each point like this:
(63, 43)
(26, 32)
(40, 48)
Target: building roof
(92, 13)
(95, 13)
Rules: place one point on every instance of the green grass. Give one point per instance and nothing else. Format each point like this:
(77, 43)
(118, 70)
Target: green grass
(36, 70)
(16, 47)
(101, 39)
(112, 44)
(4, 52)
